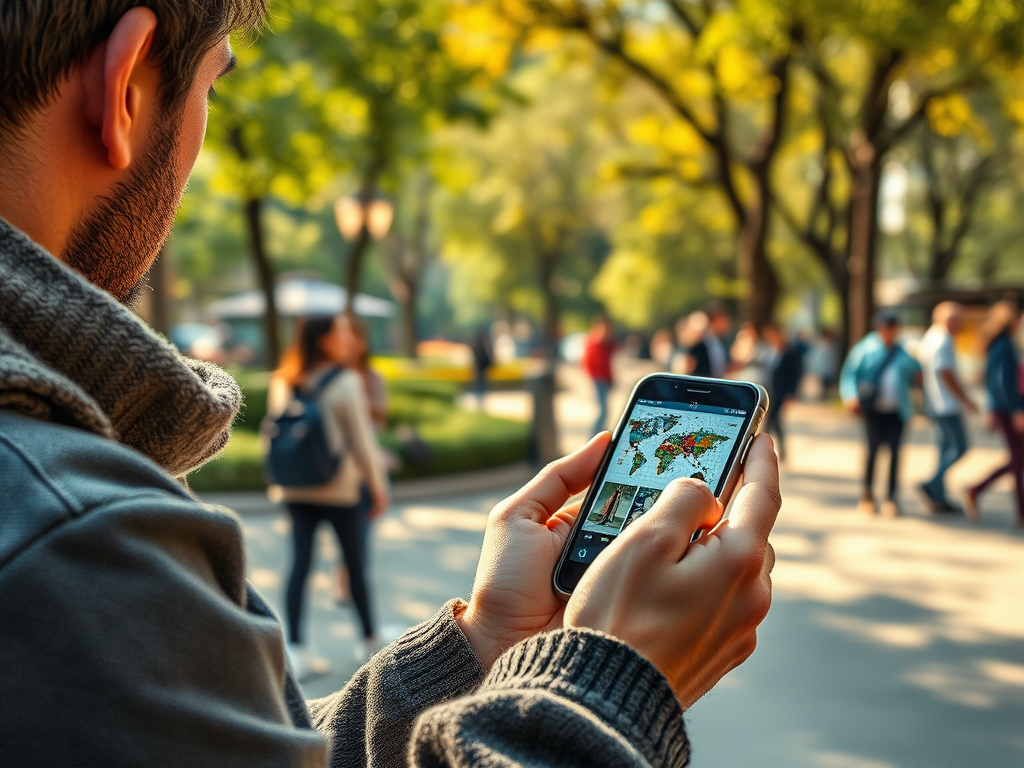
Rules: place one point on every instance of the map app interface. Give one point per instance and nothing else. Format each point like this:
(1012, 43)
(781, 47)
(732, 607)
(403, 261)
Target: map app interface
(660, 442)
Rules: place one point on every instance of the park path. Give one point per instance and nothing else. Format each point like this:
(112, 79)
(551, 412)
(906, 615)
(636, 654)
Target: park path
(890, 644)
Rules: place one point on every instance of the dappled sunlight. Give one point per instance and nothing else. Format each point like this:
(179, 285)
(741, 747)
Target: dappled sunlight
(432, 518)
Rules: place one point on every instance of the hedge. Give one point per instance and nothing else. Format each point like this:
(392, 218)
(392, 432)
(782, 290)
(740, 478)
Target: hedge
(452, 440)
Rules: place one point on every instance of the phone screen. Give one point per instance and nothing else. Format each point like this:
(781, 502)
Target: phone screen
(658, 441)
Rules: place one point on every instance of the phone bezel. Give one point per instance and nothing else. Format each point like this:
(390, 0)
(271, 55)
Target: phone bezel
(666, 387)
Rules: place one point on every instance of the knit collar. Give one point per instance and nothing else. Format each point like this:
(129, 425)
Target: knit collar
(71, 354)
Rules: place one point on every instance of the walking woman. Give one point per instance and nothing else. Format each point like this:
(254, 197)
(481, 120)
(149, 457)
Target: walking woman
(324, 347)
(1003, 382)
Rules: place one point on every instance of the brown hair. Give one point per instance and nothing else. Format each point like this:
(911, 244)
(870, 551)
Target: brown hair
(41, 41)
(305, 351)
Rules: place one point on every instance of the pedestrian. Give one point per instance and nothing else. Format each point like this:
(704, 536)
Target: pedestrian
(322, 360)
(875, 383)
(703, 351)
(944, 399)
(598, 348)
(1003, 384)
(786, 370)
(483, 360)
(130, 633)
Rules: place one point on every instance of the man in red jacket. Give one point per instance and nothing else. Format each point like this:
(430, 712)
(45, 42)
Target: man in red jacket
(597, 362)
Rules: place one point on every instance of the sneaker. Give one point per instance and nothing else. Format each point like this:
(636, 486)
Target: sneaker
(890, 509)
(866, 507)
(305, 664)
(971, 505)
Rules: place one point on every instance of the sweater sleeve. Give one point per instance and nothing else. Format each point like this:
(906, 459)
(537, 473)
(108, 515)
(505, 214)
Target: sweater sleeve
(370, 721)
(568, 698)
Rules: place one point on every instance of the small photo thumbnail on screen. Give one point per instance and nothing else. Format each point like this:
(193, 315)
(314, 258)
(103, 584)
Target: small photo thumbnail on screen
(642, 503)
(611, 507)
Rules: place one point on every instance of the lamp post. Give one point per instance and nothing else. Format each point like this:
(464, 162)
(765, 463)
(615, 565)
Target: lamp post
(358, 222)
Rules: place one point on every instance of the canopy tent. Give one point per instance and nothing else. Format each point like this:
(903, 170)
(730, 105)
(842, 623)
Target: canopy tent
(299, 297)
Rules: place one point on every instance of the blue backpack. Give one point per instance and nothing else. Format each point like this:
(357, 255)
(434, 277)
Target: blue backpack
(300, 455)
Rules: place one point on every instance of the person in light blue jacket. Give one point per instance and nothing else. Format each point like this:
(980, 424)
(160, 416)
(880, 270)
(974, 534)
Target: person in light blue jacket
(876, 382)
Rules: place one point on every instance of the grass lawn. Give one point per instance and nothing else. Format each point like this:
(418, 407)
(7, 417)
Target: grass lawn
(452, 440)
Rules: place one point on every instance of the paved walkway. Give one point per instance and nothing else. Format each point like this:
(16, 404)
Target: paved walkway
(891, 644)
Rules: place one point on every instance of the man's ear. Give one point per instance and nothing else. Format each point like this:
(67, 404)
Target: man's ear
(130, 86)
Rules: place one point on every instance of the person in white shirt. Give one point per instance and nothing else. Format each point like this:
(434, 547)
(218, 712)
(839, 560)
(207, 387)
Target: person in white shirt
(945, 400)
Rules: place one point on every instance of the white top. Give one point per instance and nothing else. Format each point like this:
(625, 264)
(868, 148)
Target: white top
(888, 398)
(936, 354)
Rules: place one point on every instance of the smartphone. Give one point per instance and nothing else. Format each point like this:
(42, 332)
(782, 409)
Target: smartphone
(673, 426)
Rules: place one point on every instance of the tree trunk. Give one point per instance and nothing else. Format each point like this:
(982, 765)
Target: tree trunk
(265, 274)
(410, 318)
(760, 282)
(863, 242)
(546, 265)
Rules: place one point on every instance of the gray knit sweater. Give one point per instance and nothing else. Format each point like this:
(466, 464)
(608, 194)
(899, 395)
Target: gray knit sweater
(130, 636)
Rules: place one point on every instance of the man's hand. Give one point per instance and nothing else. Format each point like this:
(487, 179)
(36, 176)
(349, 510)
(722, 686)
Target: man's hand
(512, 594)
(691, 609)
(852, 405)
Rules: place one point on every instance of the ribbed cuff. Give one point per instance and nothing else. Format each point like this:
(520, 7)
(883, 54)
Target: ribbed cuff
(435, 656)
(607, 677)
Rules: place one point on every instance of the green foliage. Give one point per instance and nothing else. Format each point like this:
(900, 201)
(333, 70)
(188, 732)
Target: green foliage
(457, 440)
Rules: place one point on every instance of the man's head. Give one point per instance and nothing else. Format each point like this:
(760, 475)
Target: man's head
(950, 315)
(102, 114)
(887, 324)
(719, 319)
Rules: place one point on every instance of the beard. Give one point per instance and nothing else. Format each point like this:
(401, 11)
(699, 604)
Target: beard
(115, 244)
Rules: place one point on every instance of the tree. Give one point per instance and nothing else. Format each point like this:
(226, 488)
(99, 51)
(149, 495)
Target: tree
(408, 252)
(516, 210)
(268, 137)
(914, 53)
(723, 70)
(387, 58)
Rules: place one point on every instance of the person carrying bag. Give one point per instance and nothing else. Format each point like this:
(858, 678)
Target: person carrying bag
(875, 382)
(323, 459)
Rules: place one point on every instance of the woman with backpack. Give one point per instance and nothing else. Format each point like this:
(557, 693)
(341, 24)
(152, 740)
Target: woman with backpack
(1003, 384)
(315, 391)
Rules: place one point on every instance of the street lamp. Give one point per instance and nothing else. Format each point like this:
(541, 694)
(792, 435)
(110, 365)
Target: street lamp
(350, 215)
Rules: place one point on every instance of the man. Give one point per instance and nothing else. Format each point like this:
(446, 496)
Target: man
(704, 354)
(130, 636)
(944, 398)
(786, 368)
(598, 348)
(875, 382)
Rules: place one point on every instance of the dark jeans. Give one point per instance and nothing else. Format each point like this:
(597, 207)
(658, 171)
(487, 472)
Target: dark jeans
(602, 388)
(350, 526)
(1015, 444)
(883, 429)
(952, 443)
